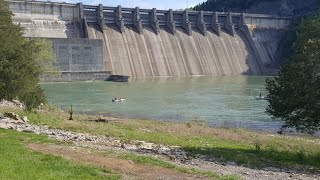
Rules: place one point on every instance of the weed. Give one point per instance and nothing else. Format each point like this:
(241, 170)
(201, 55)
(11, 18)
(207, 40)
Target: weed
(257, 145)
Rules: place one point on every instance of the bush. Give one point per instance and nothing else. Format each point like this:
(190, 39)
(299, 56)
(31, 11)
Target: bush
(294, 93)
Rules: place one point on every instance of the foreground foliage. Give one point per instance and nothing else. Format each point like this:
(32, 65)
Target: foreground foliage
(17, 162)
(294, 93)
(21, 62)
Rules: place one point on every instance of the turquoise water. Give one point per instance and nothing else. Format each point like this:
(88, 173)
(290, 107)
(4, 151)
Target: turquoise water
(221, 101)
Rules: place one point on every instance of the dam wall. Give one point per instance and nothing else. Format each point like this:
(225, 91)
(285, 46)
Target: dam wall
(79, 55)
(151, 43)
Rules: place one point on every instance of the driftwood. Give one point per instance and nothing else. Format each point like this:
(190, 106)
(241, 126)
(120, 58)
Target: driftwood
(70, 112)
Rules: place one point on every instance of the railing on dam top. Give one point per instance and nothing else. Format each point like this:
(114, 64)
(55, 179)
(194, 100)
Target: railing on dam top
(137, 17)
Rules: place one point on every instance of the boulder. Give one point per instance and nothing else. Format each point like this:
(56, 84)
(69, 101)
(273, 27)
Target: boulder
(25, 119)
(129, 147)
(147, 146)
(18, 103)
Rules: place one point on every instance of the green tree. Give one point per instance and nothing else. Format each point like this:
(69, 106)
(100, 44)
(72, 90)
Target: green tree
(21, 62)
(295, 92)
(227, 5)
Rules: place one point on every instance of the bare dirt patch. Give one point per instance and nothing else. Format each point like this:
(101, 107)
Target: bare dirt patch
(126, 168)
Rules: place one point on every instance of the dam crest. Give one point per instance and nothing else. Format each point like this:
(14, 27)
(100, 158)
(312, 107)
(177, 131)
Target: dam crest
(91, 42)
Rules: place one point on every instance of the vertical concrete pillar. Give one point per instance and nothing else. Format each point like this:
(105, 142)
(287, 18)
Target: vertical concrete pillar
(119, 19)
(154, 21)
(215, 24)
(242, 21)
(136, 20)
(186, 24)
(81, 16)
(230, 25)
(101, 20)
(170, 22)
(82, 21)
(201, 23)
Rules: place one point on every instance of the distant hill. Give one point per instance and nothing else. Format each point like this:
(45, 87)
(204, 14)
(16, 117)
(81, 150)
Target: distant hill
(295, 8)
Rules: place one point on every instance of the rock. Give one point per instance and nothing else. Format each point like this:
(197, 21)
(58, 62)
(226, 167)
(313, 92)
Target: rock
(272, 169)
(117, 143)
(4, 126)
(100, 119)
(19, 121)
(28, 130)
(138, 142)
(164, 150)
(174, 147)
(231, 163)
(25, 119)
(129, 147)
(4, 120)
(172, 158)
(12, 115)
(148, 146)
(18, 103)
(12, 104)
(88, 138)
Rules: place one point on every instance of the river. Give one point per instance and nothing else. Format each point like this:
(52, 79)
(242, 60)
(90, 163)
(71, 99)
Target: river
(220, 101)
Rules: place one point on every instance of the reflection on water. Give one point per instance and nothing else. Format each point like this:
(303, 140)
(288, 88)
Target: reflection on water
(221, 101)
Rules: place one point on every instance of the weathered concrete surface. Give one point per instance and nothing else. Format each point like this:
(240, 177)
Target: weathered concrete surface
(53, 20)
(151, 55)
(78, 55)
(150, 43)
(76, 76)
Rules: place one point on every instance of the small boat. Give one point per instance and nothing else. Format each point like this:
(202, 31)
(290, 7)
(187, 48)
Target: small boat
(118, 78)
(261, 98)
(116, 100)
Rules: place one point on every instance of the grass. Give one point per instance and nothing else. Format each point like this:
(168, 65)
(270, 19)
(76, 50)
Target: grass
(238, 145)
(17, 162)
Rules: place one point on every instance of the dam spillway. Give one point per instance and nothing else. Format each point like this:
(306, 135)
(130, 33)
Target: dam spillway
(164, 54)
(151, 43)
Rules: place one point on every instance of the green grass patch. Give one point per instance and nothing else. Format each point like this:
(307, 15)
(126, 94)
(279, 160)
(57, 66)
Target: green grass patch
(18, 162)
(238, 145)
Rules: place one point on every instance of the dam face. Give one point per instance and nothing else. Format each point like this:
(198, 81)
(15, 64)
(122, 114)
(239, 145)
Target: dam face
(98, 40)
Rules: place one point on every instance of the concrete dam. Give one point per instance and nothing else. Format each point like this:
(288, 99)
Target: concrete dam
(93, 41)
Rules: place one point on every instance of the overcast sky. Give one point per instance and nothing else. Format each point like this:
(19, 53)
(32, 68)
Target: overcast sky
(148, 4)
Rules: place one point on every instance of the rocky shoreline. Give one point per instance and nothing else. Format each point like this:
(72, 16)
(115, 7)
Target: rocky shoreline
(173, 153)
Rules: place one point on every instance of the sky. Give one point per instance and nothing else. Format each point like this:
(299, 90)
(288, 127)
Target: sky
(147, 4)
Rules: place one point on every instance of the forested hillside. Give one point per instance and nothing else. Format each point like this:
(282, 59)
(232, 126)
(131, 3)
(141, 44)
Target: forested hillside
(295, 8)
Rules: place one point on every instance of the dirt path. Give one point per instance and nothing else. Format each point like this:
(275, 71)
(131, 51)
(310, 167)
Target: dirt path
(126, 168)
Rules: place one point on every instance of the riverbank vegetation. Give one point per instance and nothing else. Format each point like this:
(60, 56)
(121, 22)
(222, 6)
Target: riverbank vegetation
(294, 93)
(241, 146)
